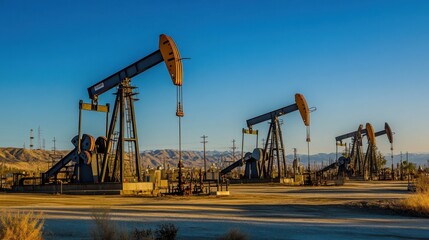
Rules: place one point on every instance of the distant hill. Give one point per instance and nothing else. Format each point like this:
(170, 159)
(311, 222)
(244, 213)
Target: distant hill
(31, 160)
(26, 159)
(155, 158)
(39, 160)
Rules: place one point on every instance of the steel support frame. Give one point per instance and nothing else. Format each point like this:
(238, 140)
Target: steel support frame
(356, 155)
(274, 152)
(124, 96)
(370, 164)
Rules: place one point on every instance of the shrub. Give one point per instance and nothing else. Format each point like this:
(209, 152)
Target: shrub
(144, 234)
(234, 234)
(417, 203)
(166, 231)
(105, 228)
(422, 184)
(21, 226)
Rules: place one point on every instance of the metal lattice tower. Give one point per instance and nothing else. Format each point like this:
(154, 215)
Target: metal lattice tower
(31, 139)
(204, 144)
(55, 146)
(233, 149)
(39, 142)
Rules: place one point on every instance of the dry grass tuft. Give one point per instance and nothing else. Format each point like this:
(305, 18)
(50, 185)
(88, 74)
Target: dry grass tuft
(234, 234)
(422, 183)
(417, 203)
(21, 226)
(105, 228)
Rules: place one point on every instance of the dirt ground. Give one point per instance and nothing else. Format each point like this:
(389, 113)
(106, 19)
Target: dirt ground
(262, 211)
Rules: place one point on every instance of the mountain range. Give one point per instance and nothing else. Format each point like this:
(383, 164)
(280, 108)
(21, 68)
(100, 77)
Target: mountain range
(32, 160)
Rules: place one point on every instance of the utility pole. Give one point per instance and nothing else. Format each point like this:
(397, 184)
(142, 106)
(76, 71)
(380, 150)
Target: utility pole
(400, 168)
(55, 147)
(55, 150)
(233, 149)
(391, 155)
(204, 144)
(295, 163)
(1, 176)
(408, 169)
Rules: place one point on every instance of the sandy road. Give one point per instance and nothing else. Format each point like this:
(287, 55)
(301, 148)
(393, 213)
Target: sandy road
(266, 211)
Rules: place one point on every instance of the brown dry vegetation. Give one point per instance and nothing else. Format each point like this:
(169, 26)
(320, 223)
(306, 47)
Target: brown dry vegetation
(21, 226)
(418, 203)
(415, 205)
(422, 184)
(105, 228)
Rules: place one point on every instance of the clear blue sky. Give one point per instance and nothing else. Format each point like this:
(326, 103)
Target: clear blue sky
(356, 61)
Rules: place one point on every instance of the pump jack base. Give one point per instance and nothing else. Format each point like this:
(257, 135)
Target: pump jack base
(138, 188)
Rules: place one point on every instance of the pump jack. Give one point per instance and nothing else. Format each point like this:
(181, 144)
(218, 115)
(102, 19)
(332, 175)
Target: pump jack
(273, 151)
(388, 131)
(341, 165)
(274, 147)
(112, 147)
(124, 104)
(367, 166)
(371, 166)
(355, 157)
